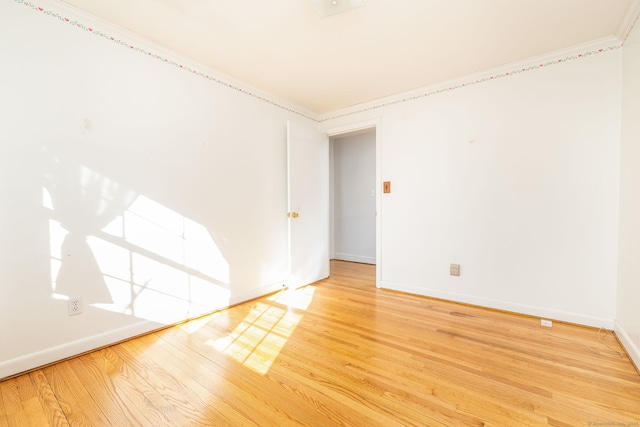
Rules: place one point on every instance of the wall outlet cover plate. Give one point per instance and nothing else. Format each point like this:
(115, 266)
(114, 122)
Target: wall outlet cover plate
(454, 269)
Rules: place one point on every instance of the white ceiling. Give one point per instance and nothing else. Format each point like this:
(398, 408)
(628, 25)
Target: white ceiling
(285, 48)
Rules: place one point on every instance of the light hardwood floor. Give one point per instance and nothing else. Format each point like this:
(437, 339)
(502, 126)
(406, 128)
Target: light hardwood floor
(339, 352)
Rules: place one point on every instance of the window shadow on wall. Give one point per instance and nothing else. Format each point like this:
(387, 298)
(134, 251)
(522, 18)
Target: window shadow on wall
(126, 253)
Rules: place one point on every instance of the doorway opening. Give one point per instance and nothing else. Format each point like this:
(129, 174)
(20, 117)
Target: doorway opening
(353, 196)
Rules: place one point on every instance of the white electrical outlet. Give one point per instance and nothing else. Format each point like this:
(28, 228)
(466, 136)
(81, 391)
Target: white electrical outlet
(74, 306)
(547, 323)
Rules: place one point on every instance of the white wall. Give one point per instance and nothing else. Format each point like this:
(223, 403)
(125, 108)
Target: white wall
(354, 206)
(152, 192)
(515, 178)
(628, 308)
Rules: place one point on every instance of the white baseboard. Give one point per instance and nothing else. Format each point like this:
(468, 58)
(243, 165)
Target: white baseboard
(256, 293)
(64, 351)
(542, 312)
(53, 354)
(632, 348)
(355, 258)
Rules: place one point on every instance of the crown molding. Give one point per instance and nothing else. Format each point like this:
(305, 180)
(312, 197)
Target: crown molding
(97, 27)
(90, 24)
(629, 21)
(557, 57)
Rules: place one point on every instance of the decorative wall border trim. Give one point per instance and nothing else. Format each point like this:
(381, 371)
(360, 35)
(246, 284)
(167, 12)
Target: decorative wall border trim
(629, 22)
(466, 83)
(208, 76)
(374, 105)
(630, 30)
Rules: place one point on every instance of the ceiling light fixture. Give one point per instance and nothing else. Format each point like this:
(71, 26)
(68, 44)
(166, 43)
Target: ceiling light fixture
(333, 7)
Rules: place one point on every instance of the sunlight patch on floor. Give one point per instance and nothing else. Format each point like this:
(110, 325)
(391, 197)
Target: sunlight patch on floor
(259, 338)
(295, 298)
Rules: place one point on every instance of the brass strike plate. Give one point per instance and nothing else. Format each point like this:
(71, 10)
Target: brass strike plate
(386, 187)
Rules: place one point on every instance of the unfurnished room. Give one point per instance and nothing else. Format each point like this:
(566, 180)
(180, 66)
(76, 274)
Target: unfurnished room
(320, 213)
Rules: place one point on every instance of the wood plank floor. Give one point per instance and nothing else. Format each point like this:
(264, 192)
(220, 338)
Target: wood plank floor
(339, 352)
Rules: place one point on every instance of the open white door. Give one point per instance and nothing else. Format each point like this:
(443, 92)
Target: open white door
(308, 205)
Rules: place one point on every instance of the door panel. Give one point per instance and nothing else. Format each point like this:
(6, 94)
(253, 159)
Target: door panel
(308, 204)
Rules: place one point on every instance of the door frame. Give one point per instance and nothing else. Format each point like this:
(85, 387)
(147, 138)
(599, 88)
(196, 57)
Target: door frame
(366, 125)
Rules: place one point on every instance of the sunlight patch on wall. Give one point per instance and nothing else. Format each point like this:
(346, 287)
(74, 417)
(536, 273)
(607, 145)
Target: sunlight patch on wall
(126, 253)
(153, 227)
(57, 235)
(46, 199)
(150, 289)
